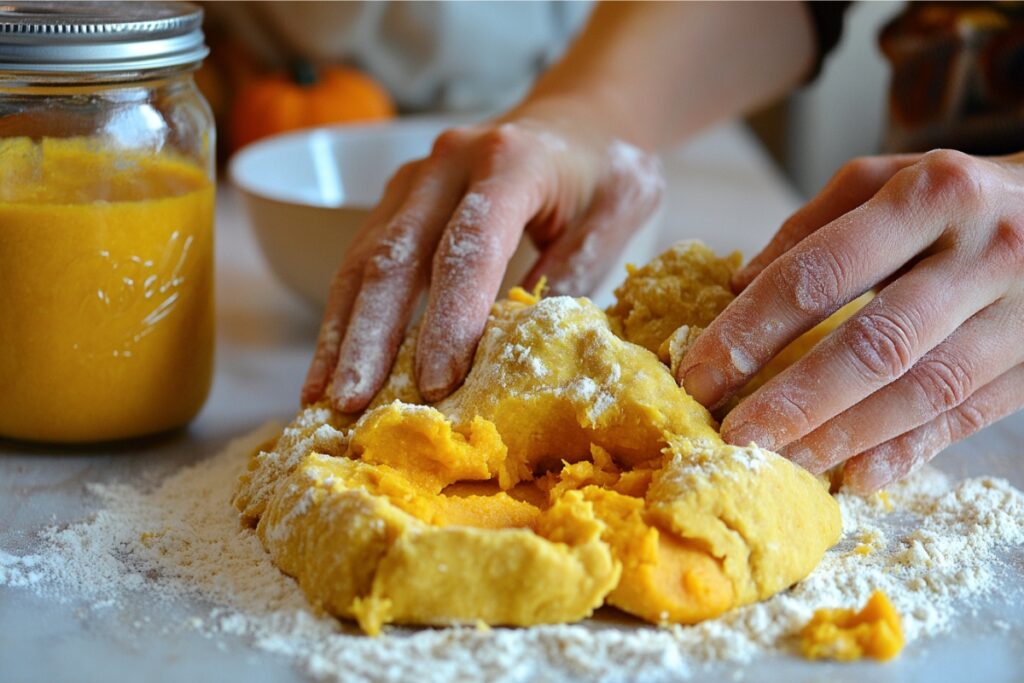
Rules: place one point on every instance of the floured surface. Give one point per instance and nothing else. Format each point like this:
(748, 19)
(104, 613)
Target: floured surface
(945, 551)
(732, 198)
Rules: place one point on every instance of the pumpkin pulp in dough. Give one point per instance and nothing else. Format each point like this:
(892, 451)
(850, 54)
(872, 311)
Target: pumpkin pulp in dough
(569, 471)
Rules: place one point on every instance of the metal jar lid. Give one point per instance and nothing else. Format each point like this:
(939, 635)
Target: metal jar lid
(84, 37)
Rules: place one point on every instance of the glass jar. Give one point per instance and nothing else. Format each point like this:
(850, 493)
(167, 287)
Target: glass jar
(106, 220)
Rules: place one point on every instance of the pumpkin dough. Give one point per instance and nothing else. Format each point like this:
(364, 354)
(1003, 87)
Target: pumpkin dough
(848, 634)
(567, 472)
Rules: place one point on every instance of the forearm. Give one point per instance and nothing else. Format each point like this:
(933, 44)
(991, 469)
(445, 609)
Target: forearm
(656, 72)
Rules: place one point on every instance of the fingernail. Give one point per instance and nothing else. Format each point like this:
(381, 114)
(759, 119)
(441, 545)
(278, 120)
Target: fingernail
(436, 380)
(862, 485)
(704, 383)
(747, 434)
(868, 473)
(348, 392)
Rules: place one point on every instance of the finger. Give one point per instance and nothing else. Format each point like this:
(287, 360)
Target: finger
(467, 271)
(345, 287)
(855, 183)
(393, 276)
(894, 459)
(974, 355)
(870, 350)
(580, 257)
(827, 269)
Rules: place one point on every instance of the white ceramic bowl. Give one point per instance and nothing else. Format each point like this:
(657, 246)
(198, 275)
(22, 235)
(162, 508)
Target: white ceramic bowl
(307, 193)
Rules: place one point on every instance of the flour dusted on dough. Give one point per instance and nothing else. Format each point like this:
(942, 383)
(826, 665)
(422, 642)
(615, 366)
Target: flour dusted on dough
(589, 445)
(180, 543)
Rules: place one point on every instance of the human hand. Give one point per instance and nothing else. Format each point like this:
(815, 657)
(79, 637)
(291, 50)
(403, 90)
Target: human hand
(453, 220)
(934, 357)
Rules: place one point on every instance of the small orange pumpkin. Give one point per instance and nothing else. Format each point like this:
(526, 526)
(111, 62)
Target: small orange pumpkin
(304, 98)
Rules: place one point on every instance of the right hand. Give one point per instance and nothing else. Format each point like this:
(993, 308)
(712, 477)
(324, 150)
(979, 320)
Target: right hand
(453, 220)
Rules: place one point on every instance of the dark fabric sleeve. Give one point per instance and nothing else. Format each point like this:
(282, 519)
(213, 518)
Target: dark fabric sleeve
(827, 19)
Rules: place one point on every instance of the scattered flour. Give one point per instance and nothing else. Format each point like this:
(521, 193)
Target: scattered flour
(742, 361)
(181, 542)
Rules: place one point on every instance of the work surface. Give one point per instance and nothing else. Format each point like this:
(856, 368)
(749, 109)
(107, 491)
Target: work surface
(721, 189)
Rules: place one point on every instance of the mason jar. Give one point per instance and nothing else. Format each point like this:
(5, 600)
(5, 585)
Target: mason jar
(106, 220)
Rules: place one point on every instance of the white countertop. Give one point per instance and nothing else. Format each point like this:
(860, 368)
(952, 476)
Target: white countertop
(722, 189)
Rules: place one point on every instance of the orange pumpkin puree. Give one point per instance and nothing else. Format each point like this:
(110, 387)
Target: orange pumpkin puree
(106, 291)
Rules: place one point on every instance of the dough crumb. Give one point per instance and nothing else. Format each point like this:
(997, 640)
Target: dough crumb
(847, 635)
(673, 349)
(686, 285)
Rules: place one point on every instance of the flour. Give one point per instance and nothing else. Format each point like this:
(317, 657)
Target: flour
(742, 361)
(816, 286)
(181, 542)
(466, 239)
(521, 355)
(643, 168)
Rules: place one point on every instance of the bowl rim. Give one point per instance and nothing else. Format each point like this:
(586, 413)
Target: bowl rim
(268, 145)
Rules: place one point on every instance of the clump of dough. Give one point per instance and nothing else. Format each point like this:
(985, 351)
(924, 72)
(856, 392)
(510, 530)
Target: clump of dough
(570, 470)
(686, 285)
(848, 634)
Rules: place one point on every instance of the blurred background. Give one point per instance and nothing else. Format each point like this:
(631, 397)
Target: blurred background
(278, 66)
(842, 114)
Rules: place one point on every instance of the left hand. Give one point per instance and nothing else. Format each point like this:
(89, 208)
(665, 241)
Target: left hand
(937, 355)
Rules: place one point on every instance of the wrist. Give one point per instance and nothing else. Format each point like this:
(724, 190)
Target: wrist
(590, 117)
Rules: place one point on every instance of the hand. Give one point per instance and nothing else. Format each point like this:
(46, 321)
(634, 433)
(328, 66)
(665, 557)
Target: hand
(453, 220)
(934, 357)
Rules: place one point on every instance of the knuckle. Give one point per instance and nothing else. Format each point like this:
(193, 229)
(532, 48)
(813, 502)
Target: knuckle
(394, 255)
(965, 420)
(856, 170)
(951, 174)
(881, 344)
(448, 142)
(401, 176)
(813, 279)
(796, 410)
(1006, 245)
(943, 381)
(499, 145)
(467, 243)
(380, 266)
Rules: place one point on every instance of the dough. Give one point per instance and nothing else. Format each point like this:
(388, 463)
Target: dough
(847, 634)
(686, 285)
(568, 471)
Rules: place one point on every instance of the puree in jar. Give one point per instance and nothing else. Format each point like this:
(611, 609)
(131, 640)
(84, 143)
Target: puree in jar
(106, 290)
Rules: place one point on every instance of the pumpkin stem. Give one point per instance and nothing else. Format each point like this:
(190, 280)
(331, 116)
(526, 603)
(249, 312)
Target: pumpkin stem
(302, 72)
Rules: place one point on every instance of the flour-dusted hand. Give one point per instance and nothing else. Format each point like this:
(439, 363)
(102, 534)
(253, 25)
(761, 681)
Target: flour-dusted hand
(452, 221)
(556, 168)
(934, 357)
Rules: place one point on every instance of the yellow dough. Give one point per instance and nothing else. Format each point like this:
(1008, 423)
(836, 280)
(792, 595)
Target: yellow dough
(847, 634)
(567, 472)
(686, 285)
